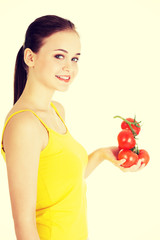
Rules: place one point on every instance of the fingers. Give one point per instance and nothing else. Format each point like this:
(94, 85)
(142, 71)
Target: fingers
(119, 164)
(124, 169)
(122, 161)
(134, 168)
(142, 166)
(139, 163)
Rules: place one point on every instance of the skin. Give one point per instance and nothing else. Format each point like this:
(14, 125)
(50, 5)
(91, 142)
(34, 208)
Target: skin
(22, 157)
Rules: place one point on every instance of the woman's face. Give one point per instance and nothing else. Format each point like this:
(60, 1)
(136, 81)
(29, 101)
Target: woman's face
(55, 64)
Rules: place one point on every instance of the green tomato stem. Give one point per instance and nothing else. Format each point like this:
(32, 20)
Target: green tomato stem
(135, 149)
(129, 123)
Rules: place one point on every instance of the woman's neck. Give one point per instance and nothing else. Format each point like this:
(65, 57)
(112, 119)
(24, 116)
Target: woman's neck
(36, 96)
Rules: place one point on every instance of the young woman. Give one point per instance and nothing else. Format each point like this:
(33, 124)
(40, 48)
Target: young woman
(46, 167)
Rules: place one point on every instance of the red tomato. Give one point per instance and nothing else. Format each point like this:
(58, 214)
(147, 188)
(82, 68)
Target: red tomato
(144, 156)
(131, 158)
(126, 140)
(125, 125)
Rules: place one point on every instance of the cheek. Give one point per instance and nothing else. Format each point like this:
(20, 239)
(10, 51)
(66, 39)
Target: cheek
(75, 70)
(41, 67)
(44, 71)
(49, 69)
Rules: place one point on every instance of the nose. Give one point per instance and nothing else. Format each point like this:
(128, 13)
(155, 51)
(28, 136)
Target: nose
(67, 66)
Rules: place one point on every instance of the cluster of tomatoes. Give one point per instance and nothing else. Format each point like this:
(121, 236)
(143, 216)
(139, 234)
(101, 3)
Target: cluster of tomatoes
(127, 143)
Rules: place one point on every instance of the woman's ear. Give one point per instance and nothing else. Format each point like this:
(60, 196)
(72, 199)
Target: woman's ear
(29, 57)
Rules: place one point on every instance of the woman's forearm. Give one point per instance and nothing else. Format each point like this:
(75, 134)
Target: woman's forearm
(101, 154)
(94, 159)
(26, 231)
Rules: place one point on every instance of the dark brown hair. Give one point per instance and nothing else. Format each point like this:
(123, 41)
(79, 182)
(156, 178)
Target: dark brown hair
(36, 33)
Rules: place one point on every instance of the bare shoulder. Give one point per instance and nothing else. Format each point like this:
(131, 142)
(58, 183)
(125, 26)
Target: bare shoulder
(16, 109)
(22, 127)
(60, 108)
(22, 119)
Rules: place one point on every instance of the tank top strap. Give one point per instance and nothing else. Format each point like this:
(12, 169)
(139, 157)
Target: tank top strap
(29, 110)
(54, 107)
(24, 110)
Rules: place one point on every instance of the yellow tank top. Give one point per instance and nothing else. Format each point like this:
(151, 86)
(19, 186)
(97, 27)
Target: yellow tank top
(61, 209)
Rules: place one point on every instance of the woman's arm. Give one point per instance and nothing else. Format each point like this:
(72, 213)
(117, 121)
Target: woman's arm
(94, 159)
(110, 154)
(22, 143)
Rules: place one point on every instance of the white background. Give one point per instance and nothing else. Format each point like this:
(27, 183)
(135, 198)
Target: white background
(119, 75)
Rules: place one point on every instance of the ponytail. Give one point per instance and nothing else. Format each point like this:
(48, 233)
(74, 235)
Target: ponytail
(20, 75)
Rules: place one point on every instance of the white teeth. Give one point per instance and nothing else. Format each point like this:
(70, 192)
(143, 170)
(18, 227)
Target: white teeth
(63, 77)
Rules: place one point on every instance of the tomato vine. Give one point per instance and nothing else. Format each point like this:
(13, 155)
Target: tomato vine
(130, 124)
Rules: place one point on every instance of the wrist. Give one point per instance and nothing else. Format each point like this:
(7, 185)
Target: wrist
(98, 155)
(101, 154)
(109, 153)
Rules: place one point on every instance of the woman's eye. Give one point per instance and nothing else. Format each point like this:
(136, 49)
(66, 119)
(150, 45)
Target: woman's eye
(59, 56)
(75, 59)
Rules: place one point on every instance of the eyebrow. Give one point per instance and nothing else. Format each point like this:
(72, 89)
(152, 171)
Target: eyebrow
(63, 50)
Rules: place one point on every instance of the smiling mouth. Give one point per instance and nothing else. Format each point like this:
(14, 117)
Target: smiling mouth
(64, 78)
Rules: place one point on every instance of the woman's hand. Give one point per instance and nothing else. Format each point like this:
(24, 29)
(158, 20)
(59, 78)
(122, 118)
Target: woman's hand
(111, 154)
